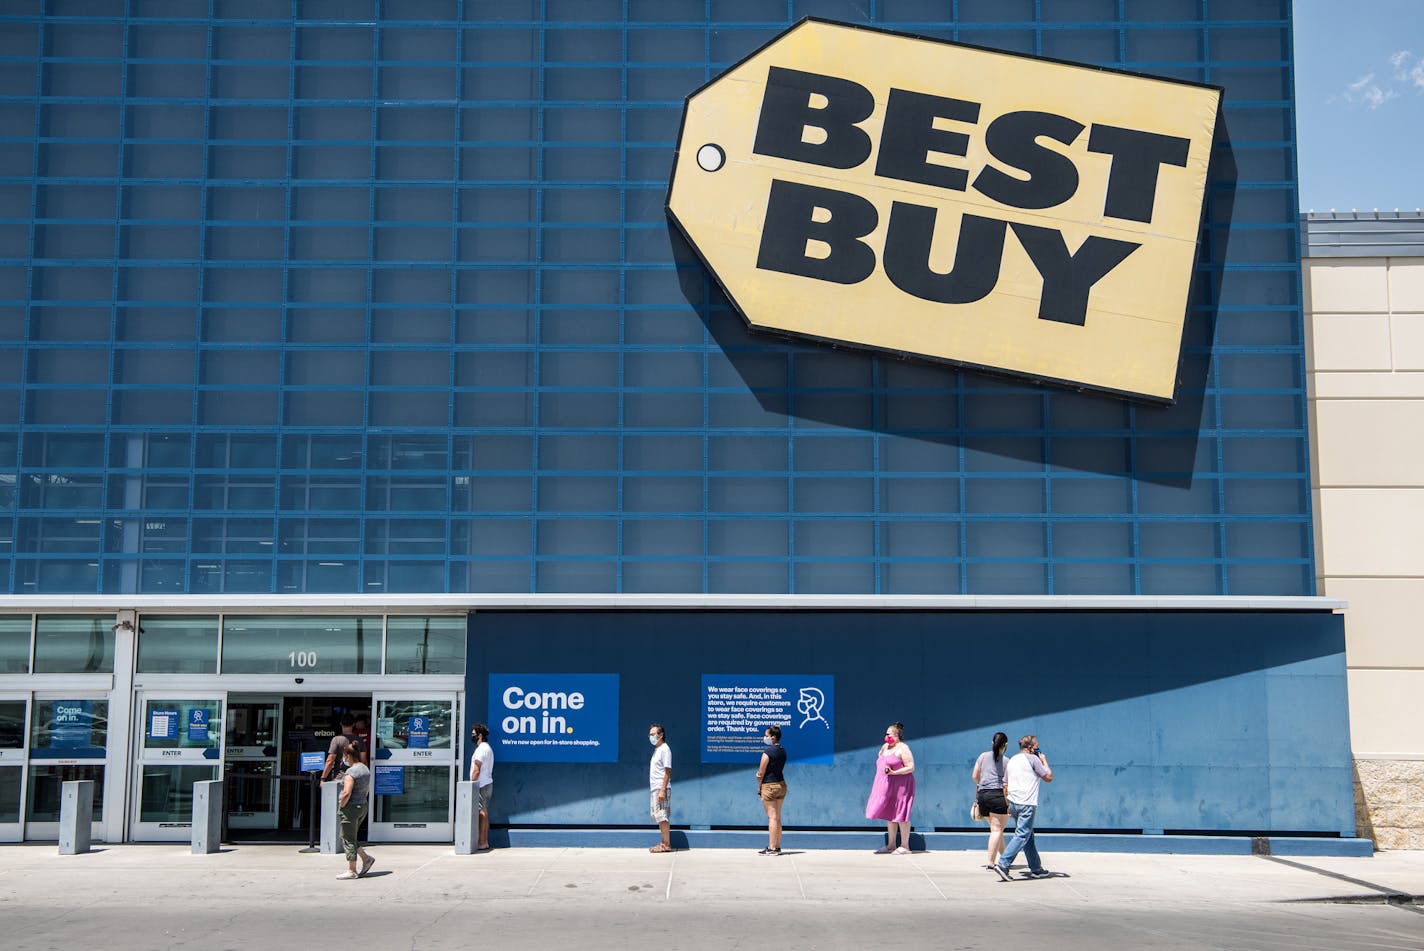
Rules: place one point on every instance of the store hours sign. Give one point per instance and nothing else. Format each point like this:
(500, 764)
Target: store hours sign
(961, 204)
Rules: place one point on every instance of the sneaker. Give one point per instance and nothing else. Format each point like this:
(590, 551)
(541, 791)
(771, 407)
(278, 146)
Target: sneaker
(347, 876)
(1039, 873)
(902, 851)
(1002, 872)
(366, 864)
(769, 851)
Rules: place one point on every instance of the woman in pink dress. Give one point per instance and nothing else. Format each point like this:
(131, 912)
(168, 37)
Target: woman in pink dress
(893, 792)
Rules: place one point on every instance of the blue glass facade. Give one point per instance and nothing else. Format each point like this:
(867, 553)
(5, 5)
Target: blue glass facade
(349, 296)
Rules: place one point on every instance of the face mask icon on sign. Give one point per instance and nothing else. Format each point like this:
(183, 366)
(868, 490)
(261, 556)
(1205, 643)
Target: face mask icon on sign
(810, 705)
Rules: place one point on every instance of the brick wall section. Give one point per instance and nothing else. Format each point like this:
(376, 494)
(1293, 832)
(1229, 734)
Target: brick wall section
(1389, 802)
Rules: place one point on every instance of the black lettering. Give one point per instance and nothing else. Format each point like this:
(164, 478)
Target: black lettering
(976, 258)
(1013, 139)
(786, 114)
(1136, 158)
(790, 226)
(1069, 278)
(909, 137)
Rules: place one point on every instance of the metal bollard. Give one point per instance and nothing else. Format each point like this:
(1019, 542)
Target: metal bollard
(76, 816)
(467, 817)
(330, 818)
(207, 816)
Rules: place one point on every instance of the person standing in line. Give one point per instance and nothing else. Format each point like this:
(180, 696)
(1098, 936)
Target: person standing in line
(335, 762)
(1025, 771)
(355, 798)
(482, 775)
(893, 791)
(771, 787)
(991, 786)
(660, 786)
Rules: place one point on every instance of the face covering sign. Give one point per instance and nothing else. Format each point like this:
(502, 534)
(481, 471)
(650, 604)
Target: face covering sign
(554, 718)
(737, 709)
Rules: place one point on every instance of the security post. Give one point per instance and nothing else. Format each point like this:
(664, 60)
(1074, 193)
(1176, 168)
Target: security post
(207, 816)
(467, 817)
(76, 816)
(330, 818)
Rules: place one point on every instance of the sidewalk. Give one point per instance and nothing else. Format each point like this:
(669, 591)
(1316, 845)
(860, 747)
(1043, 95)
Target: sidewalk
(161, 895)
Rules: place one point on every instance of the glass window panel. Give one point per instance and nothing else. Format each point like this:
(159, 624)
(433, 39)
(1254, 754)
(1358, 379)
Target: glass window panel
(178, 645)
(15, 645)
(69, 729)
(301, 645)
(167, 794)
(74, 645)
(12, 724)
(47, 783)
(10, 780)
(426, 797)
(426, 645)
(396, 733)
(194, 724)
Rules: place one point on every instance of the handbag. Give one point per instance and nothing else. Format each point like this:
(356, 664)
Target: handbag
(974, 812)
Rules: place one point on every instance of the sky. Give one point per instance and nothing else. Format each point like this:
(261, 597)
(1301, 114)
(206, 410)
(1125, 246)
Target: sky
(1359, 79)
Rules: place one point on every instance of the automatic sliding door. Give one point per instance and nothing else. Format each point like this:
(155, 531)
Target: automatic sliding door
(14, 723)
(179, 743)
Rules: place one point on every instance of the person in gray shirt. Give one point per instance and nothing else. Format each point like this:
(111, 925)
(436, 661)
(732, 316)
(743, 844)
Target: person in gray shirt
(991, 784)
(355, 800)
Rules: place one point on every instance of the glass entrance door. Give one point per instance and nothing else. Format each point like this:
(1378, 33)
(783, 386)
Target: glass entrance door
(179, 743)
(14, 730)
(414, 768)
(68, 736)
(253, 752)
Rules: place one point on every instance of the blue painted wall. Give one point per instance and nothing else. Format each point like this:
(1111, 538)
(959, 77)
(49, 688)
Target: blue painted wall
(1152, 721)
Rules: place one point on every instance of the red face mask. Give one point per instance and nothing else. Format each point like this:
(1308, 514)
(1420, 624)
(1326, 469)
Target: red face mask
(889, 739)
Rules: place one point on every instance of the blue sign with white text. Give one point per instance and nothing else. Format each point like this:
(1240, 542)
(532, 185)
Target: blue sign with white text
(554, 718)
(73, 724)
(418, 733)
(313, 762)
(163, 724)
(389, 780)
(737, 709)
(198, 725)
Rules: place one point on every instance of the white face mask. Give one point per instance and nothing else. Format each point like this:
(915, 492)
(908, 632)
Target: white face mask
(767, 740)
(653, 738)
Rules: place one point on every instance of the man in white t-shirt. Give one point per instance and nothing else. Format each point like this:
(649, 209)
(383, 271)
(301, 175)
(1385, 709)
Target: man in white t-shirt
(1024, 773)
(660, 785)
(482, 775)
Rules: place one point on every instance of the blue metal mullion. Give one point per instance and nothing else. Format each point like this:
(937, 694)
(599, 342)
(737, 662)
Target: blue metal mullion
(1045, 409)
(963, 483)
(537, 303)
(622, 288)
(114, 291)
(363, 566)
(454, 317)
(705, 354)
(285, 318)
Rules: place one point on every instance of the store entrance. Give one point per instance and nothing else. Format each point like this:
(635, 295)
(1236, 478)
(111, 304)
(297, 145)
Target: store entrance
(268, 796)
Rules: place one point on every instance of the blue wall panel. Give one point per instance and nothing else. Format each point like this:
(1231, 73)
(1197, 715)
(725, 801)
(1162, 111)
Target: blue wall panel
(381, 296)
(1162, 721)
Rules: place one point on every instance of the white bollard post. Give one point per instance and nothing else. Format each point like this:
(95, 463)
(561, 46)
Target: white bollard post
(330, 818)
(207, 816)
(76, 816)
(467, 817)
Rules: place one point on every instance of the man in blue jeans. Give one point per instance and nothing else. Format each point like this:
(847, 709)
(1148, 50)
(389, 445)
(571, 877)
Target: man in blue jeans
(1024, 772)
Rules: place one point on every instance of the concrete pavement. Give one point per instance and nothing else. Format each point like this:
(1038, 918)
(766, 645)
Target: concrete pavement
(161, 896)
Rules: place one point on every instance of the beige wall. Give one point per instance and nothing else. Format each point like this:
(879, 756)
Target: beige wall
(1365, 346)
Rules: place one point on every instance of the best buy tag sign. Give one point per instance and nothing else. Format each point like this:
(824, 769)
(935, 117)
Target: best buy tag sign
(927, 198)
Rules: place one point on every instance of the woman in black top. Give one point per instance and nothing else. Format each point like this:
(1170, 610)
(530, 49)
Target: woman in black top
(771, 787)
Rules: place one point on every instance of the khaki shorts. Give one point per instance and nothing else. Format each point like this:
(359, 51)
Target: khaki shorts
(771, 792)
(660, 811)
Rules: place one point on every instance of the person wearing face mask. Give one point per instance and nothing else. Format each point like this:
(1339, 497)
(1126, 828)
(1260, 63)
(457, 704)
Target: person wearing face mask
(660, 781)
(771, 787)
(893, 792)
